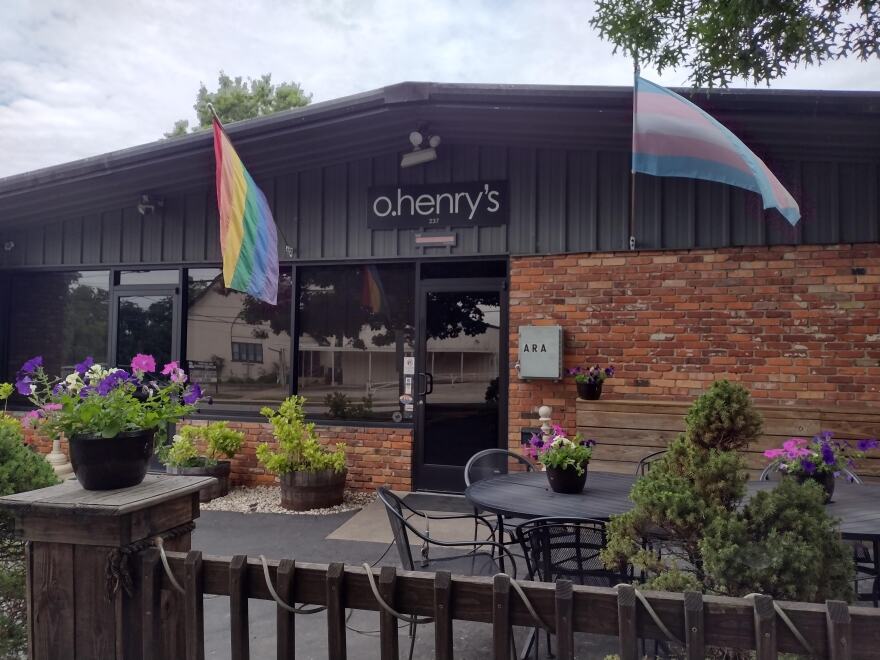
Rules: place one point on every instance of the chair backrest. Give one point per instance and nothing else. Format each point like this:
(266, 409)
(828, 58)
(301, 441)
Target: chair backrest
(394, 508)
(567, 548)
(773, 468)
(492, 462)
(647, 461)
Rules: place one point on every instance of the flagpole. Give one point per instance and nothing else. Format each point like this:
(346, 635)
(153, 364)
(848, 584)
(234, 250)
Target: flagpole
(288, 248)
(632, 185)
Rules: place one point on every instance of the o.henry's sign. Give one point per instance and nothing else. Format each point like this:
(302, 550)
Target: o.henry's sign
(437, 205)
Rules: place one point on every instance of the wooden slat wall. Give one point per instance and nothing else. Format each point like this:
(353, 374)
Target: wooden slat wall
(627, 431)
(561, 200)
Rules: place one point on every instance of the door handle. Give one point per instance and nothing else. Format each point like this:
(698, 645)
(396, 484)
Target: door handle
(429, 384)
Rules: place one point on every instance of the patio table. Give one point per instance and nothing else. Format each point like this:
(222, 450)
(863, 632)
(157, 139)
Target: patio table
(528, 495)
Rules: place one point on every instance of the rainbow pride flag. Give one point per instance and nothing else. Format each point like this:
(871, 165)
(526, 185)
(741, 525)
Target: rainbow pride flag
(673, 137)
(248, 238)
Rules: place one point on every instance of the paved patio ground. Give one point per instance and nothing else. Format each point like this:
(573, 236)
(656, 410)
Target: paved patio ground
(353, 538)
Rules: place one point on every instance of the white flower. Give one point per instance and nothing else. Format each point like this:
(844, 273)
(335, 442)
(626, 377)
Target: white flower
(73, 382)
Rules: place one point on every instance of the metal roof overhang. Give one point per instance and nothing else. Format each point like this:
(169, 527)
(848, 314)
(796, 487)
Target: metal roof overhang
(814, 124)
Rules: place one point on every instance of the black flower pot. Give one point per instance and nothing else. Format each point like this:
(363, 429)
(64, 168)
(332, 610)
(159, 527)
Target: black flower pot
(589, 391)
(824, 479)
(567, 480)
(108, 463)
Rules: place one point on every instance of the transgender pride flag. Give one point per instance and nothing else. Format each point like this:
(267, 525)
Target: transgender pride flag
(673, 137)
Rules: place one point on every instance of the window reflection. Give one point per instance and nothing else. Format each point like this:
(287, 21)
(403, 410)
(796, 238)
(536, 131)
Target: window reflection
(144, 325)
(356, 327)
(237, 347)
(62, 316)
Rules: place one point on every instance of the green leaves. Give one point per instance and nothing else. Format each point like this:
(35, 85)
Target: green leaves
(298, 446)
(236, 99)
(719, 40)
(780, 543)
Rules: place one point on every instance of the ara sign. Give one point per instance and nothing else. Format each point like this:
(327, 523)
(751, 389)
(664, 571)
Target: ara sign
(437, 205)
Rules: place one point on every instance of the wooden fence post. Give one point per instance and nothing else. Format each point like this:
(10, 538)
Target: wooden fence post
(74, 532)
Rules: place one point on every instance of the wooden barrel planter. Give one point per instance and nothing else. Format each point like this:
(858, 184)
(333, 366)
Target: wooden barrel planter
(220, 472)
(301, 491)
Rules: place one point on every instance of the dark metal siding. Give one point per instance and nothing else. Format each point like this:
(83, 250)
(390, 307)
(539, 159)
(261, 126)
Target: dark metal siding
(560, 201)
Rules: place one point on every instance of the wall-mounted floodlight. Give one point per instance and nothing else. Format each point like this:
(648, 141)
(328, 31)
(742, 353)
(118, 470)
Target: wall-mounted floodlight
(149, 204)
(420, 154)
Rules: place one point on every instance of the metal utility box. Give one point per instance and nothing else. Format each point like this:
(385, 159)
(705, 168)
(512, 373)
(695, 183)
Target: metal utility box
(540, 351)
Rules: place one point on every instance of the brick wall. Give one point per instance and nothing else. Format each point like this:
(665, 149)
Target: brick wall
(793, 324)
(375, 456)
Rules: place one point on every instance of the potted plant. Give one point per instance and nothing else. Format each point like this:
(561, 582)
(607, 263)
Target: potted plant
(312, 476)
(589, 381)
(112, 418)
(183, 457)
(564, 459)
(821, 459)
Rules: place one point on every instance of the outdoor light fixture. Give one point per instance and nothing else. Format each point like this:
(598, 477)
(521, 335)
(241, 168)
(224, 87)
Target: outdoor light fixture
(420, 155)
(149, 204)
(9, 246)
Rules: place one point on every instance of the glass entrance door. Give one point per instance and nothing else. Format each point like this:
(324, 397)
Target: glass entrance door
(144, 321)
(461, 386)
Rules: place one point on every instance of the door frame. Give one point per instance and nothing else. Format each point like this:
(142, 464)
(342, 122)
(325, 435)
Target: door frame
(423, 287)
(123, 291)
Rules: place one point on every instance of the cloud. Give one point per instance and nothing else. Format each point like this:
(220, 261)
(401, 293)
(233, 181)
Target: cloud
(83, 77)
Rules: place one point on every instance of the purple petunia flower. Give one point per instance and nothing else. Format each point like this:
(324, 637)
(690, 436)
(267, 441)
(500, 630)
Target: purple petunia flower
(31, 365)
(193, 394)
(808, 466)
(866, 445)
(827, 454)
(84, 366)
(59, 387)
(112, 381)
(23, 385)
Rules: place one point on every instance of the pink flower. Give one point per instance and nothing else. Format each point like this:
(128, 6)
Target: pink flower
(774, 453)
(173, 370)
(143, 363)
(50, 407)
(31, 417)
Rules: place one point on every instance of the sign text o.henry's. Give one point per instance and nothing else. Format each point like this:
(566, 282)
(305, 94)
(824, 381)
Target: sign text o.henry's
(437, 205)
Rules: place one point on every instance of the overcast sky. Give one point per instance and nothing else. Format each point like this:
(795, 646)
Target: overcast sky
(83, 77)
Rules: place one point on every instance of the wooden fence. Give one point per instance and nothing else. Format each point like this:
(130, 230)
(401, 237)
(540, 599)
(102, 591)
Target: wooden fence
(628, 431)
(832, 630)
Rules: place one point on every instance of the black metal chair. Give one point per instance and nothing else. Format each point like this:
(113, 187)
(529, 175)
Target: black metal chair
(647, 461)
(567, 548)
(492, 463)
(399, 516)
(773, 468)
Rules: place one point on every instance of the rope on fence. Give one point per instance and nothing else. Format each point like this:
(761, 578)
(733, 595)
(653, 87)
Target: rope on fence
(277, 598)
(406, 618)
(117, 570)
(653, 614)
(164, 557)
(539, 622)
(789, 623)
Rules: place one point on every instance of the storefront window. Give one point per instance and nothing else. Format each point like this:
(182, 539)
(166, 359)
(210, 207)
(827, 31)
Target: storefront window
(62, 316)
(237, 347)
(355, 328)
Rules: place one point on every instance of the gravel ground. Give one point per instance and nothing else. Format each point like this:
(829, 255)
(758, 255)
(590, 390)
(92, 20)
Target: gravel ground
(267, 499)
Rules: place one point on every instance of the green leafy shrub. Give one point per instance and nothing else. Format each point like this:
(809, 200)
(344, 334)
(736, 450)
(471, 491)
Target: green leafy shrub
(781, 543)
(339, 406)
(298, 446)
(218, 439)
(20, 470)
(723, 418)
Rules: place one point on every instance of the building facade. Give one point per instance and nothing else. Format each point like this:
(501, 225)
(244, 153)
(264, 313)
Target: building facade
(402, 289)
